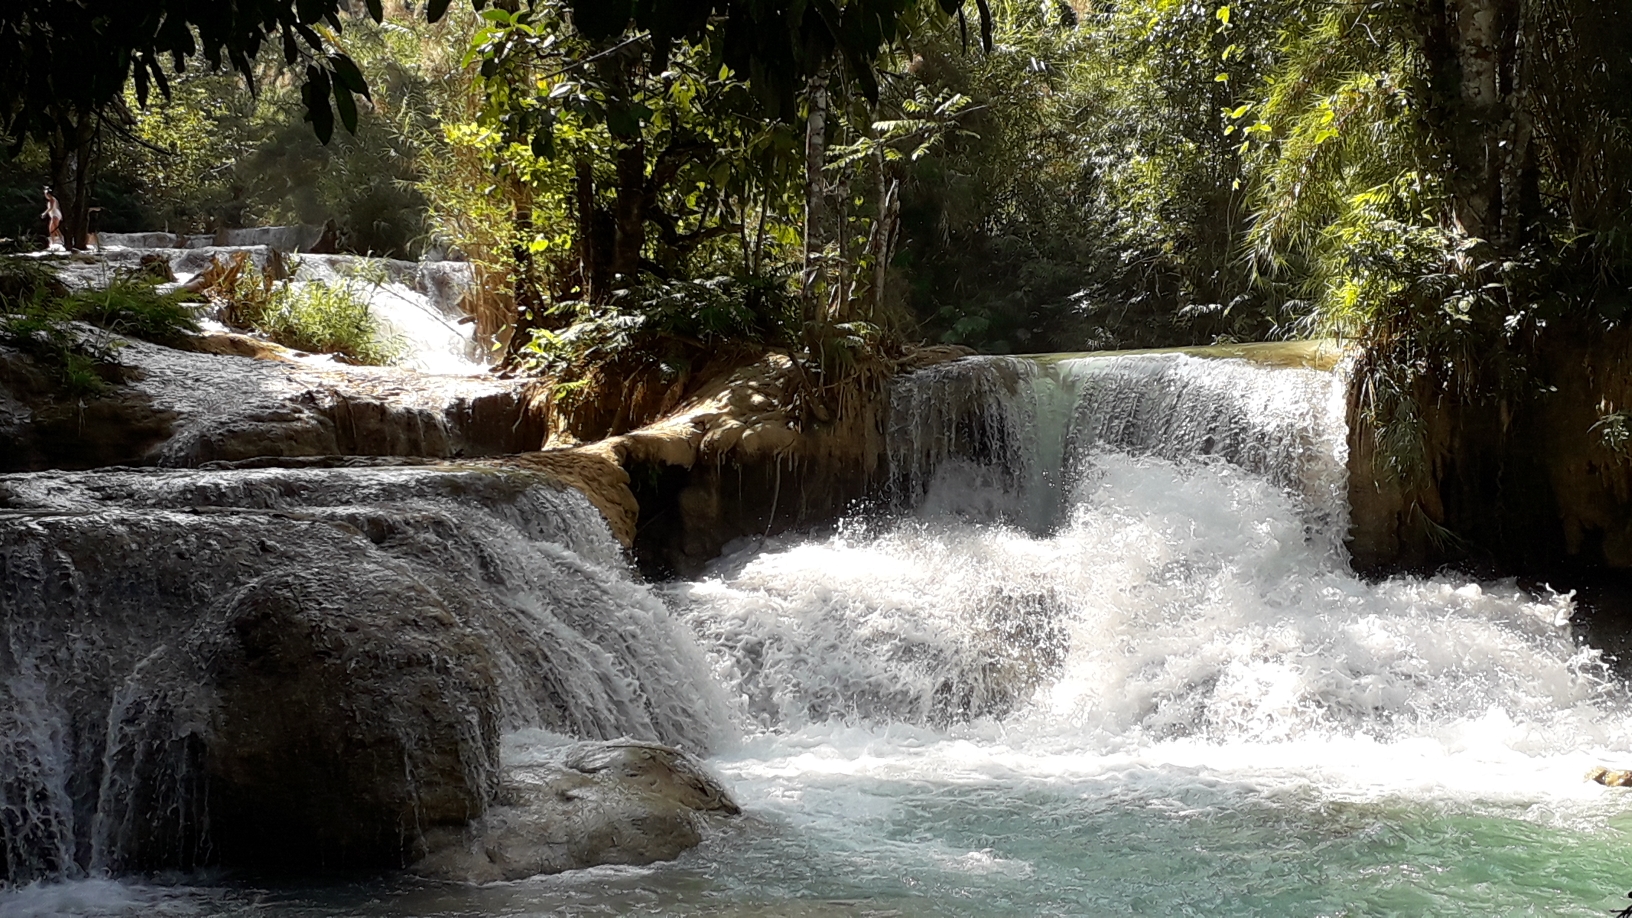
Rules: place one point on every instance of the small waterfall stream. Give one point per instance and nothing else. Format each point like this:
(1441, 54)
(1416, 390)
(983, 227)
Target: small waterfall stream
(418, 305)
(1101, 653)
(1032, 425)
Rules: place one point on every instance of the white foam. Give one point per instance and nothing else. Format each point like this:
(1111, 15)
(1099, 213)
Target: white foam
(103, 898)
(1189, 612)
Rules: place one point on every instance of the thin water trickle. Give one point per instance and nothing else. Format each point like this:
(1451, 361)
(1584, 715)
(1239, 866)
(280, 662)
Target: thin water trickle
(1106, 657)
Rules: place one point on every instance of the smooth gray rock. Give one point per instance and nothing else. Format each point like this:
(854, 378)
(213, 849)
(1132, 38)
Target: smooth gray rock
(139, 240)
(586, 804)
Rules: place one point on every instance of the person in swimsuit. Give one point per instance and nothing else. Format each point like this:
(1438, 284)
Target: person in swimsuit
(53, 218)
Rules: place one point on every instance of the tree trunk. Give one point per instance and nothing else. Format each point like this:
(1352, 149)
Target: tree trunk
(630, 212)
(526, 287)
(839, 302)
(73, 159)
(816, 217)
(592, 274)
(1520, 174)
(1482, 128)
(887, 230)
(886, 226)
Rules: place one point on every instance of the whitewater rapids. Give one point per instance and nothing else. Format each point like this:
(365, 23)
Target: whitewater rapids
(1100, 652)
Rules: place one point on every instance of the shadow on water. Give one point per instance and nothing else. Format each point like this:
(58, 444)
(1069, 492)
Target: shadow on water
(1603, 604)
(1603, 617)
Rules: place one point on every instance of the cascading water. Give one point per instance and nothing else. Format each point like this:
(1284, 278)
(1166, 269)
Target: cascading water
(418, 304)
(1029, 427)
(188, 659)
(1139, 548)
(1108, 658)
(1105, 656)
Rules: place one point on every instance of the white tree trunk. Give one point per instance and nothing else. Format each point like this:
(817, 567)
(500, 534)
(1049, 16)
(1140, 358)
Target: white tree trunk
(816, 218)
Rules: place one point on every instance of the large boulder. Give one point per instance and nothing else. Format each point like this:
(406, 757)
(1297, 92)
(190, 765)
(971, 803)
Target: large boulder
(583, 805)
(352, 711)
(302, 667)
(191, 686)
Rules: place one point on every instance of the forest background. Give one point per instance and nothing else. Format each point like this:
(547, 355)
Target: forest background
(1446, 181)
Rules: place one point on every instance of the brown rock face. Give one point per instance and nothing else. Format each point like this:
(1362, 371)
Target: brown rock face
(1533, 482)
(736, 460)
(581, 806)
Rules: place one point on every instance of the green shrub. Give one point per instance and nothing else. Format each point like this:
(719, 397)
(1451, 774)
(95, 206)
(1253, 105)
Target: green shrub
(26, 281)
(81, 366)
(311, 316)
(37, 316)
(330, 319)
(131, 305)
(664, 322)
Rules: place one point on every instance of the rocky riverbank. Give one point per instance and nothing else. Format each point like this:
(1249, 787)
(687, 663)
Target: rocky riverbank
(183, 409)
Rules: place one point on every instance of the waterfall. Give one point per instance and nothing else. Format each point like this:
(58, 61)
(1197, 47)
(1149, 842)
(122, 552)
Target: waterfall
(1120, 551)
(1097, 648)
(1035, 425)
(187, 657)
(419, 305)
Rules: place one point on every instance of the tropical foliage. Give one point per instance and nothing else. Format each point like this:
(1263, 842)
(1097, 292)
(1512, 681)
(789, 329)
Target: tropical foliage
(641, 183)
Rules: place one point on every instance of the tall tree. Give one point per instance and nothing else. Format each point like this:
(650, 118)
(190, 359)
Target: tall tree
(638, 96)
(68, 63)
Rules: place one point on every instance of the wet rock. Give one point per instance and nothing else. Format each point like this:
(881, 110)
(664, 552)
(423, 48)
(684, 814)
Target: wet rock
(581, 806)
(287, 238)
(1610, 778)
(40, 427)
(230, 686)
(184, 409)
(307, 667)
(352, 708)
(139, 240)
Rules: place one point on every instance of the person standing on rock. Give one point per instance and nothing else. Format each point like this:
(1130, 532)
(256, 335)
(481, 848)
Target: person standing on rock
(53, 219)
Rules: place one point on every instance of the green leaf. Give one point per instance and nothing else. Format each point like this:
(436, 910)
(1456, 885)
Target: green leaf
(543, 144)
(623, 122)
(315, 94)
(347, 74)
(347, 105)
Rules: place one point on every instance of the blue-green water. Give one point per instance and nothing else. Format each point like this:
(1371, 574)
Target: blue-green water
(1156, 843)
